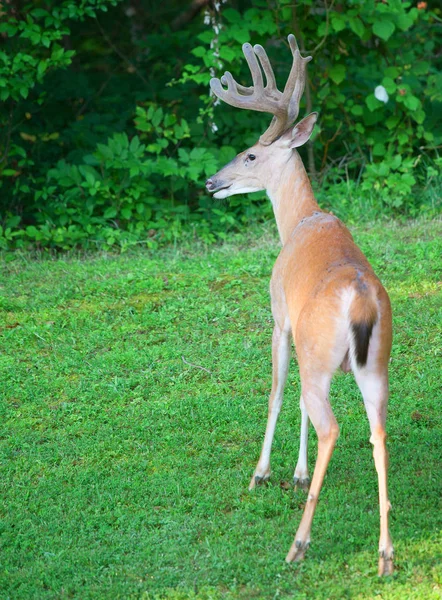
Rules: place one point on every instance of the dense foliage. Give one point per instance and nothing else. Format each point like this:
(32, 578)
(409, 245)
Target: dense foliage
(109, 129)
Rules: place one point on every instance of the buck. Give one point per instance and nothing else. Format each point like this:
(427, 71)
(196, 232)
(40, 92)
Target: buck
(324, 293)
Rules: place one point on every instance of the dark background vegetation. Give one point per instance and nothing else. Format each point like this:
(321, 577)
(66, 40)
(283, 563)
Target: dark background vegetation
(108, 129)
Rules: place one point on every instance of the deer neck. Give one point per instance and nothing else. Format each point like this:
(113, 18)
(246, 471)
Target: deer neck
(292, 197)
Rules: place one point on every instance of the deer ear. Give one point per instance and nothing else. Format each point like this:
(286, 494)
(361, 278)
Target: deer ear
(303, 130)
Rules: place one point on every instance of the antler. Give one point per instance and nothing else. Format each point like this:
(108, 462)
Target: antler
(284, 106)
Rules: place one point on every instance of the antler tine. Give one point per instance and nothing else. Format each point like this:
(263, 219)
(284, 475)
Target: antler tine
(293, 90)
(241, 96)
(284, 106)
(267, 67)
(242, 89)
(299, 78)
(231, 95)
(258, 83)
(264, 60)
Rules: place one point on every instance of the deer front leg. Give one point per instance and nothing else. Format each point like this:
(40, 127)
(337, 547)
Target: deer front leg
(280, 366)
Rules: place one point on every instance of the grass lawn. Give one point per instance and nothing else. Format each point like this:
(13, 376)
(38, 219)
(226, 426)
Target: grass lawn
(133, 406)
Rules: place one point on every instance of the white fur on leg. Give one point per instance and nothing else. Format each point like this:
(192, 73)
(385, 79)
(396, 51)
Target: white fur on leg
(281, 360)
(301, 471)
(283, 363)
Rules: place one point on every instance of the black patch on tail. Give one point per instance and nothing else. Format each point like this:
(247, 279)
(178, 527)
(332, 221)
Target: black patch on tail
(361, 335)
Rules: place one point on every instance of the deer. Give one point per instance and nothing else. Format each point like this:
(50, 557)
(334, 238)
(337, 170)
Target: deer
(325, 296)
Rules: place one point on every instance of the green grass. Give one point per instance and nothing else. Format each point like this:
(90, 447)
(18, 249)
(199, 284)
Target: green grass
(133, 407)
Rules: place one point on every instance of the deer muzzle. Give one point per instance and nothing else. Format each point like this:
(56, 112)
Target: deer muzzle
(215, 185)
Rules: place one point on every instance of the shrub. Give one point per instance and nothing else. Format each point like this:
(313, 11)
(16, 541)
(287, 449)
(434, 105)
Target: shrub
(110, 134)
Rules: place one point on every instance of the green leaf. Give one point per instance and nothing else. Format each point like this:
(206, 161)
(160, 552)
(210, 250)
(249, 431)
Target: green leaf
(408, 179)
(169, 120)
(134, 144)
(227, 54)
(104, 151)
(337, 73)
(232, 15)
(90, 179)
(240, 34)
(395, 162)
(110, 213)
(57, 53)
(403, 138)
(420, 68)
(373, 103)
(411, 102)
(379, 149)
(322, 28)
(404, 21)
(199, 51)
(42, 66)
(392, 121)
(157, 117)
(419, 116)
(337, 21)
(31, 231)
(197, 154)
(8, 28)
(384, 29)
(39, 12)
(357, 26)
(389, 85)
(392, 72)
(184, 155)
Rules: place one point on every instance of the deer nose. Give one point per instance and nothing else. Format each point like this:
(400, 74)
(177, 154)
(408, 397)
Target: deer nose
(209, 184)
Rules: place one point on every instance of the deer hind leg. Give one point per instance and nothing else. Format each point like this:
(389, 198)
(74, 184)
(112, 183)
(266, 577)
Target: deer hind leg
(374, 389)
(301, 478)
(315, 388)
(280, 365)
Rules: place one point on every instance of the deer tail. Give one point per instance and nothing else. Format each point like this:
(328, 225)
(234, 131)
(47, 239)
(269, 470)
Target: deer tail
(363, 317)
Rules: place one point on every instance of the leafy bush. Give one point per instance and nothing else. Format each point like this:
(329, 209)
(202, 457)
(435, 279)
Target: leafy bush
(367, 45)
(112, 197)
(110, 131)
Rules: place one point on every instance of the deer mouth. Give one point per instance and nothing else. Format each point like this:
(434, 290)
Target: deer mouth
(213, 187)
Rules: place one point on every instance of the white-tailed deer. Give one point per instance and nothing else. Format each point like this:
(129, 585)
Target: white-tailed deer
(324, 292)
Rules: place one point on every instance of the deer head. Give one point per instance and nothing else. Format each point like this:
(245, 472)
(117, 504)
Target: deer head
(252, 169)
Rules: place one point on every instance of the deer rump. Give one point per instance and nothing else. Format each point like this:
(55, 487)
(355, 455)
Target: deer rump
(332, 297)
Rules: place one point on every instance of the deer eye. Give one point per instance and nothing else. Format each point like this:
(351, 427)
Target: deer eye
(251, 156)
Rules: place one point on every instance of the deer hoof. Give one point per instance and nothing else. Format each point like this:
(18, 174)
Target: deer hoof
(297, 551)
(302, 484)
(259, 480)
(385, 563)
